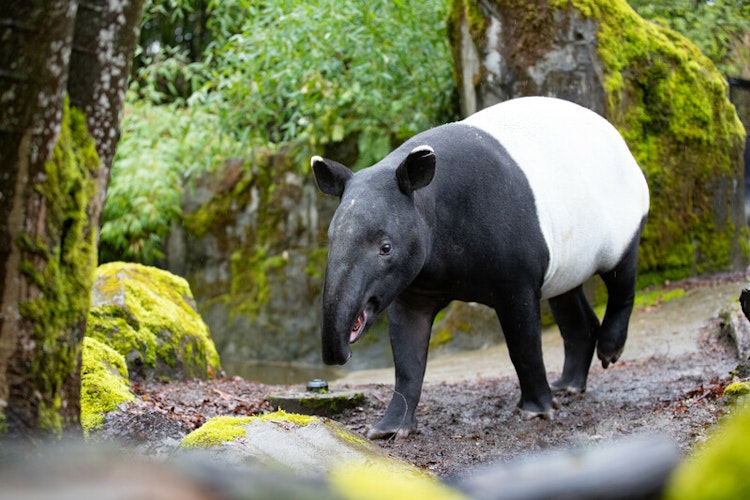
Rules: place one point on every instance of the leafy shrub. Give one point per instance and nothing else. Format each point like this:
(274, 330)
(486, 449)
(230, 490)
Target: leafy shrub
(319, 72)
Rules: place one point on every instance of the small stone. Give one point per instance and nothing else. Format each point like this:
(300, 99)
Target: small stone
(327, 403)
(317, 385)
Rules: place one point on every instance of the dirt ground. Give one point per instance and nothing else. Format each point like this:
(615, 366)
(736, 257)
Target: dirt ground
(465, 424)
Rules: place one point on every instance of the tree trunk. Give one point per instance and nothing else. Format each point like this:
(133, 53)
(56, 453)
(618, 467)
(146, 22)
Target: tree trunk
(49, 171)
(105, 37)
(36, 47)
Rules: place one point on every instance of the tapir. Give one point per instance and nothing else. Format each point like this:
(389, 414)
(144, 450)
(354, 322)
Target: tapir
(522, 201)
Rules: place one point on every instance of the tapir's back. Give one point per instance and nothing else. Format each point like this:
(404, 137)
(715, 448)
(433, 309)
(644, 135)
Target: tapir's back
(591, 196)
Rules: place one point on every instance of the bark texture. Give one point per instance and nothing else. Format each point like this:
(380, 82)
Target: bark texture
(104, 40)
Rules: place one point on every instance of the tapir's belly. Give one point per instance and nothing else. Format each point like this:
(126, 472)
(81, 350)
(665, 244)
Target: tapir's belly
(590, 194)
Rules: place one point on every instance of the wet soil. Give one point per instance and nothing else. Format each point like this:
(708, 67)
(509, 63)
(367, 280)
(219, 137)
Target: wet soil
(474, 421)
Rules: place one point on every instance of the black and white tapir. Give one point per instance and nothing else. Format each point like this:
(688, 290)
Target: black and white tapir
(521, 201)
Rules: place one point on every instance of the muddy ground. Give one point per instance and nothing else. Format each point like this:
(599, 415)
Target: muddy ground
(465, 424)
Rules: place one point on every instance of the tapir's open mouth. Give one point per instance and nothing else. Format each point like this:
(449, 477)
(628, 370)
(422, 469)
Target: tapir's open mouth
(359, 327)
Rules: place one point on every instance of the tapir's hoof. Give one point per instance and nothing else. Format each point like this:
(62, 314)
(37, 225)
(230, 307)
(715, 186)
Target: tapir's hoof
(548, 414)
(568, 387)
(609, 349)
(608, 359)
(375, 433)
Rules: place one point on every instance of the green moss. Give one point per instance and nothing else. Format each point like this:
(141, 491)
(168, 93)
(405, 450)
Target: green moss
(737, 389)
(104, 383)
(348, 436)
(458, 317)
(440, 336)
(224, 428)
(717, 469)
(216, 431)
(60, 263)
(475, 20)
(148, 316)
(670, 104)
(281, 415)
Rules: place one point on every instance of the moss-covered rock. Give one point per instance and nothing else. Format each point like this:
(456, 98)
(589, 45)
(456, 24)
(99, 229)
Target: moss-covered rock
(719, 468)
(668, 101)
(148, 316)
(104, 383)
(735, 325)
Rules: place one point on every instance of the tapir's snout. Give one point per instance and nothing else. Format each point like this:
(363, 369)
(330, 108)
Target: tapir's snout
(336, 353)
(344, 318)
(335, 334)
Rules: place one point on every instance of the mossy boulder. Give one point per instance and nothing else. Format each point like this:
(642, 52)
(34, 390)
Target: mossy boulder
(148, 316)
(668, 101)
(104, 383)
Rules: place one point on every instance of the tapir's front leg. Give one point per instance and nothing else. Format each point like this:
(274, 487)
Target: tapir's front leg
(519, 316)
(409, 329)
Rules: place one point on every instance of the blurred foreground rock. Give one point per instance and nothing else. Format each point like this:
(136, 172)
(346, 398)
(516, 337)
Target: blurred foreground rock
(314, 461)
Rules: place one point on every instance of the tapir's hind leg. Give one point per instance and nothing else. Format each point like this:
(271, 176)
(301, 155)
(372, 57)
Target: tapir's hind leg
(578, 325)
(620, 283)
(520, 319)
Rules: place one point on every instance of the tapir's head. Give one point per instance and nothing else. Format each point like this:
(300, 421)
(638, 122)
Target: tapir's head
(377, 242)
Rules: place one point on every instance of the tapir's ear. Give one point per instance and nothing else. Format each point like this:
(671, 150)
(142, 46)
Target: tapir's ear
(417, 169)
(330, 176)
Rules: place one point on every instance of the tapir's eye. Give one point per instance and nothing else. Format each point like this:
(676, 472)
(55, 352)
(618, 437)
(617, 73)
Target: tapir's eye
(385, 248)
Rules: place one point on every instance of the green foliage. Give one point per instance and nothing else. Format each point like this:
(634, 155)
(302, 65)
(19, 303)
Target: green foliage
(320, 72)
(173, 38)
(720, 28)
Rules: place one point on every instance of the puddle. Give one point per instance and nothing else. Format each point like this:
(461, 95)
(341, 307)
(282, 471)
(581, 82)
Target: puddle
(279, 373)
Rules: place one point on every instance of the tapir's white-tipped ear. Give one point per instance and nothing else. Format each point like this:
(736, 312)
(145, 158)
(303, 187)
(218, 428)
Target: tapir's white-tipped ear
(330, 176)
(417, 169)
